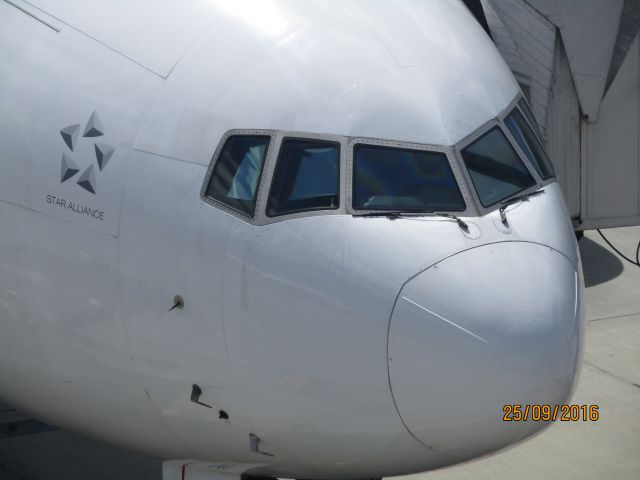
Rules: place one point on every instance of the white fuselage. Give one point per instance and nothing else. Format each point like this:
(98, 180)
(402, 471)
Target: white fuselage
(321, 334)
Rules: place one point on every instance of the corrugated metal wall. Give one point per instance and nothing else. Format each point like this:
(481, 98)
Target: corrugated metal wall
(534, 36)
(562, 134)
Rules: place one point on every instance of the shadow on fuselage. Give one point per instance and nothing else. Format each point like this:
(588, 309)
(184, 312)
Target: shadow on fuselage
(598, 263)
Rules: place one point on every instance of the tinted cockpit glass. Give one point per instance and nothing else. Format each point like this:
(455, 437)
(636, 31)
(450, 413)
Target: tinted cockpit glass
(306, 177)
(387, 178)
(524, 106)
(237, 172)
(529, 143)
(495, 168)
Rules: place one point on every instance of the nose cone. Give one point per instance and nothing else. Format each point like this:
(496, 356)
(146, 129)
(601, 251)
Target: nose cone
(491, 326)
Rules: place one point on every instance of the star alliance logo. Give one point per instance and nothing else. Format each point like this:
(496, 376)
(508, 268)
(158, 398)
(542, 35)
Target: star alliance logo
(103, 153)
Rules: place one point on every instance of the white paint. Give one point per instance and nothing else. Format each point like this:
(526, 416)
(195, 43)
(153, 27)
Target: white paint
(449, 387)
(285, 325)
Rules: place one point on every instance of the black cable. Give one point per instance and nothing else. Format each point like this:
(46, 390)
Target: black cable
(636, 263)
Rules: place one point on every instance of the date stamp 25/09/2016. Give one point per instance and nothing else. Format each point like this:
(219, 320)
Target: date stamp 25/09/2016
(546, 413)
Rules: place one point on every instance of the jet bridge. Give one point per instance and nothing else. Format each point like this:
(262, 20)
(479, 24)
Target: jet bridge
(578, 64)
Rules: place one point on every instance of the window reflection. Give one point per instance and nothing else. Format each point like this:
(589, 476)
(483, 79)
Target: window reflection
(236, 175)
(529, 143)
(306, 177)
(495, 168)
(387, 178)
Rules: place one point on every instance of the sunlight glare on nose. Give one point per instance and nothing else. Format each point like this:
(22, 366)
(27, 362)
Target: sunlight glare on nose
(262, 15)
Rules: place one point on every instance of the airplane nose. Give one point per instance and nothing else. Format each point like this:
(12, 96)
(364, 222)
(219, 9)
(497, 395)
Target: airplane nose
(495, 325)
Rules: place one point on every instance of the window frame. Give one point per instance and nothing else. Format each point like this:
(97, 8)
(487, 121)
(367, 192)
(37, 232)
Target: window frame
(463, 185)
(468, 140)
(515, 142)
(524, 162)
(534, 126)
(308, 138)
(265, 166)
(473, 205)
(501, 118)
(260, 217)
(499, 121)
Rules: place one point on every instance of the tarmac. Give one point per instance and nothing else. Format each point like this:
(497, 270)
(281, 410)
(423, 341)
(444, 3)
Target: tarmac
(605, 449)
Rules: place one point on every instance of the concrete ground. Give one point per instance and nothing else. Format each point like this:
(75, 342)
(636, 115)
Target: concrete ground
(608, 448)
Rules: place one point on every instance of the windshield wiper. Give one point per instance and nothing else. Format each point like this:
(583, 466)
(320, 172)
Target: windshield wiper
(516, 199)
(393, 214)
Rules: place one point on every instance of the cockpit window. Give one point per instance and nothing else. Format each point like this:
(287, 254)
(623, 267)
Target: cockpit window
(236, 175)
(529, 143)
(307, 177)
(524, 106)
(495, 168)
(387, 178)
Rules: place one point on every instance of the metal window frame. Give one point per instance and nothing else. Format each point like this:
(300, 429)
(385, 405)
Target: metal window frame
(501, 117)
(498, 120)
(309, 138)
(473, 205)
(490, 125)
(268, 170)
(520, 149)
(216, 157)
(497, 128)
(463, 186)
(261, 217)
(535, 127)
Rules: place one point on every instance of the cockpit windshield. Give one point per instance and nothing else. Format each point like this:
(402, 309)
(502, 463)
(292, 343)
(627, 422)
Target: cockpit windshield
(529, 143)
(524, 106)
(389, 178)
(495, 168)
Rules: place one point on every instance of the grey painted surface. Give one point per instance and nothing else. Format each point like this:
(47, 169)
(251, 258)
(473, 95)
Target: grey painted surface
(629, 27)
(609, 448)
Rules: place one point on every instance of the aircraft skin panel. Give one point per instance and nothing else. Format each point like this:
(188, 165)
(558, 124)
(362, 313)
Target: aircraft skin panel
(155, 37)
(311, 88)
(41, 98)
(62, 331)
